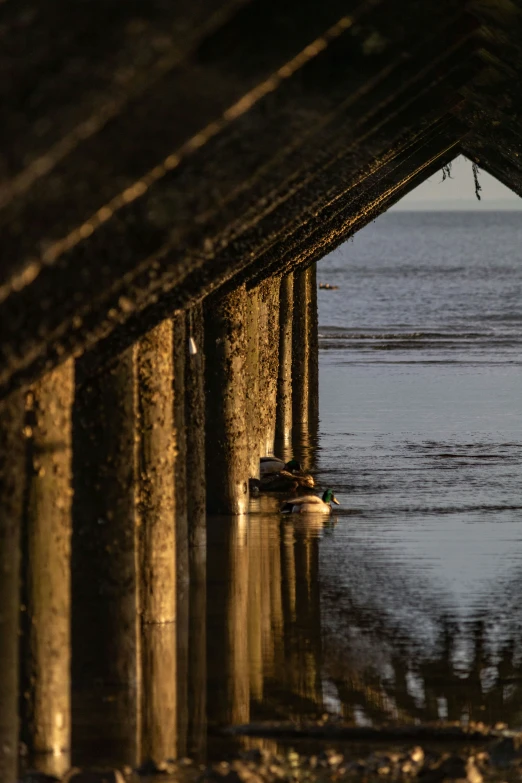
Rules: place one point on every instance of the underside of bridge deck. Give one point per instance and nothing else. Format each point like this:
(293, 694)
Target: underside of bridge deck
(153, 152)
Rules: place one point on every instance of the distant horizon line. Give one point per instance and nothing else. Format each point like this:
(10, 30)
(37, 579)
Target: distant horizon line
(451, 205)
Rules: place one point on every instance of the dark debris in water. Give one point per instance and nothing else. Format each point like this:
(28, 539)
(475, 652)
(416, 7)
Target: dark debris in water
(497, 758)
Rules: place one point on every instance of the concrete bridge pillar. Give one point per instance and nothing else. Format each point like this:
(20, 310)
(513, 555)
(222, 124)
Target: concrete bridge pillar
(195, 425)
(182, 543)
(226, 421)
(283, 433)
(254, 403)
(304, 363)
(46, 650)
(313, 400)
(12, 474)
(194, 429)
(124, 545)
(105, 619)
(157, 541)
(268, 359)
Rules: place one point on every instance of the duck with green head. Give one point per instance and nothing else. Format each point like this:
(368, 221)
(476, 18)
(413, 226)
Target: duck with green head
(310, 504)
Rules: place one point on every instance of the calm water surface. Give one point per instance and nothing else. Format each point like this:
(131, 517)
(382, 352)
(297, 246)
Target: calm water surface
(408, 605)
(421, 434)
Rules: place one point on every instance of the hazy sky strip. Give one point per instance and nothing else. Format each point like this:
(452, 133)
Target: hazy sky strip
(459, 191)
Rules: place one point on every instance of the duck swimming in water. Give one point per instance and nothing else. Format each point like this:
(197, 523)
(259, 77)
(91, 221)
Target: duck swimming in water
(275, 465)
(284, 481)
(310, 504)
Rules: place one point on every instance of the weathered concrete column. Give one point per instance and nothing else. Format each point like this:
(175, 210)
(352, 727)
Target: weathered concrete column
(105, 619)
(268, 359)
(301, 348)
(47, 568)
(313, 399)
(283, 434)
(195, 426)
(157, 541)
(227, 465)
(252, 386)
(304, 366)
(12, 475)
(182, 545)
(196, 517)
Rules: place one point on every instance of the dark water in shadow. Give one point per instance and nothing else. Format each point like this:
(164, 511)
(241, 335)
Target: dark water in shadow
(406, 604)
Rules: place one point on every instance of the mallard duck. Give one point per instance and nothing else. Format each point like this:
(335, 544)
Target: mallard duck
(310, 504)
(275, 465)
(285, 482)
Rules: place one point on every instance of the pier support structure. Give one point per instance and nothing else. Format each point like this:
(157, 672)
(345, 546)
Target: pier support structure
(46, 579)
(304, 363)
(125, 537)
(268, 359)
(195, 425)
(182, 543)
(12, 463)
(226, 420)
(283, 433)
(253, 400)
(105, 620)
(157, 542)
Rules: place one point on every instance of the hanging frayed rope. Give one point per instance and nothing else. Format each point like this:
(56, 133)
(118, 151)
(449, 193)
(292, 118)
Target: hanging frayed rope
(446, 172)
(478, 186)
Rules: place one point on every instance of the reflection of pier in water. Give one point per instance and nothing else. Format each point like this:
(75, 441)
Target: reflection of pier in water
(396, 654)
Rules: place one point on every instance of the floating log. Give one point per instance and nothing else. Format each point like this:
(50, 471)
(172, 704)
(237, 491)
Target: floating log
(338, 731)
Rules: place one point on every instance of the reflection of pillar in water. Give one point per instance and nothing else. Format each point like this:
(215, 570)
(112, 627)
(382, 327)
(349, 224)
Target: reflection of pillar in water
(225, 399)
(47, 593)
(197, 669)
(157, 542)
(253, 402)
(266, 606)
(308, 626)
(182, 548)
(288, 575)
(283, 434)
(276, 596)
(228, 668)
(104, 587)
(12, 463)
(255, 588)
